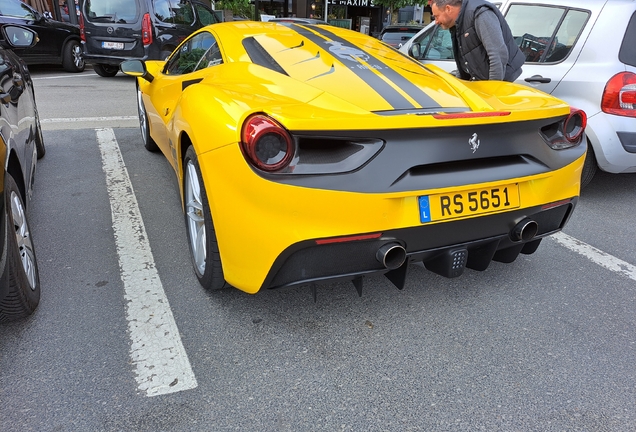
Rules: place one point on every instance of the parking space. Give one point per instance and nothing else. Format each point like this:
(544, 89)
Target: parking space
(544, 343)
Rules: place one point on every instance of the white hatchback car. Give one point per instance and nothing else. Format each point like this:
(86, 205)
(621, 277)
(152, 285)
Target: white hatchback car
(581, 52)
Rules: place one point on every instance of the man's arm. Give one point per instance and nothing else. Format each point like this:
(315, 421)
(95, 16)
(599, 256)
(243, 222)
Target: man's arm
(489, 32)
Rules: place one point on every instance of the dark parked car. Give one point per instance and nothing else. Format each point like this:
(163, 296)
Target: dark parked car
(397, 34)
(21, 145)
(117, 30)
(59, 42)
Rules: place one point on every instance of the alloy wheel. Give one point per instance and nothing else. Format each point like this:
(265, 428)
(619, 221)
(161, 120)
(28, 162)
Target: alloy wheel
(195, 217)
(143, 120)
(78, 59)
(25, 243)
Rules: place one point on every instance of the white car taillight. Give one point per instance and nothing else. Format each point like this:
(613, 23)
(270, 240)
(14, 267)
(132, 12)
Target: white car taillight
(627, 97)
(619, 96)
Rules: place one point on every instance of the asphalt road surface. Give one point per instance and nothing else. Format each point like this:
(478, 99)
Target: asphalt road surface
(547, 343)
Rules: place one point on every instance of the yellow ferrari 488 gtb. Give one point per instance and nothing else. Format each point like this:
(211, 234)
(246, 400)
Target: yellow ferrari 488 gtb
(310, 153)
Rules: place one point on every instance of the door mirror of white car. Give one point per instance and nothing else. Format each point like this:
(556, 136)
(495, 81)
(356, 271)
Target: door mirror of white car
(414, 50)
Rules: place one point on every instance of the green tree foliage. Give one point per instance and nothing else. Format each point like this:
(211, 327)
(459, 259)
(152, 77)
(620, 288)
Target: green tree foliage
(395, 5)
(241, 8)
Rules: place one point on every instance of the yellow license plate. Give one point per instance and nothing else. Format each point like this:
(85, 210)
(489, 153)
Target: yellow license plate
(468, 203)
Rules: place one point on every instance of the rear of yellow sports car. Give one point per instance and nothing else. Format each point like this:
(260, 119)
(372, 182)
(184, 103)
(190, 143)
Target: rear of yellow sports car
(327, 155)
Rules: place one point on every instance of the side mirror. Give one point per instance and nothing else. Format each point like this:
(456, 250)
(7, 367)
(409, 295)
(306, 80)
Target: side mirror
(18, 36)
(39, 17)
(414, 50)
(136, 68)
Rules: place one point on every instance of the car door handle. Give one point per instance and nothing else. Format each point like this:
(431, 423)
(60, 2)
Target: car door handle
(538, 79)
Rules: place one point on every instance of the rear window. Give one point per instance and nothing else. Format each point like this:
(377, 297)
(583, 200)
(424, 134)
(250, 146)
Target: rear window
(545, 34)
(412, 30)
(174, 12)
(397, 37)
(116, 11)
(627, 54)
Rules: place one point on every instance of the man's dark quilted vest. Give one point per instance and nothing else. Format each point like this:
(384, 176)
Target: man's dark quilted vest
(472, 63)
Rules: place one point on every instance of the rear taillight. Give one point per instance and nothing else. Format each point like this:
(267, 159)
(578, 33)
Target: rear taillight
(574, 125)
(619, 96)
(146, 30)
(567, 132)
(81, 26)
(266, 144)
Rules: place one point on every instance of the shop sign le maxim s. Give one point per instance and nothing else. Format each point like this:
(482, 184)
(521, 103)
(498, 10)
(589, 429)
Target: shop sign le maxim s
(361, 3)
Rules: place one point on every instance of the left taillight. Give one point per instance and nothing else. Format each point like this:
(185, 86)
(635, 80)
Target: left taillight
(266, 144)
(619, 96)
(146, 30)
(567, 132)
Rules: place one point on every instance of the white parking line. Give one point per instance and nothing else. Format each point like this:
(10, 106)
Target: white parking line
(89, 122)
(595, 255)
(157, 352)
(86, 119)
(80, 75)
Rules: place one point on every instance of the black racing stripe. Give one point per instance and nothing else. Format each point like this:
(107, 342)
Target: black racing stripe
(424, 100)
(388, 93)
(260, 56)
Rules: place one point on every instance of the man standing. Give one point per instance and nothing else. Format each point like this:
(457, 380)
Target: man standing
(483, 45)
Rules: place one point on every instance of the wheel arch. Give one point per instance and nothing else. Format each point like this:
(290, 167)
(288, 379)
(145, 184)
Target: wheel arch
(15, 169)
(68, 39)
(184, 143)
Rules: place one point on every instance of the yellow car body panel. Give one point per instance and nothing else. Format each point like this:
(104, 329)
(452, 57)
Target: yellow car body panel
(326, 82)
(295, 215)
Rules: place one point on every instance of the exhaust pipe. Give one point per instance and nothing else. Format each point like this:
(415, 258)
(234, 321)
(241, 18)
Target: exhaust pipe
(525, 230)
(391, 255)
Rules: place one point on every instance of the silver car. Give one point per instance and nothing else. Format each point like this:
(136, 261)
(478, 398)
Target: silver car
(581, 52)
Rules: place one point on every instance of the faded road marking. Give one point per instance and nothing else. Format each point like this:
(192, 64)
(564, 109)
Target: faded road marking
(86, 119)
(89, 122)
(157, 352)
(595, 255)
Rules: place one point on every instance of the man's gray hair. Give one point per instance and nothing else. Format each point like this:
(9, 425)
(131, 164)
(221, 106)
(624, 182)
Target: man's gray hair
(441, 3)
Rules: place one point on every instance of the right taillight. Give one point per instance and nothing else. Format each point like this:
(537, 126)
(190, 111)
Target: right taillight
(574, 125)
(146, 30)
(619, 96)
(567, 132)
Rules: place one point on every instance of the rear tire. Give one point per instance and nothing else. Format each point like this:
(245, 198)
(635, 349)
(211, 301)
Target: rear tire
(589, 166)
(165, 54)
(204, 249)
(21, 268)
(149, 143)
(105, 70)
(72, 57)
(39, 139)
